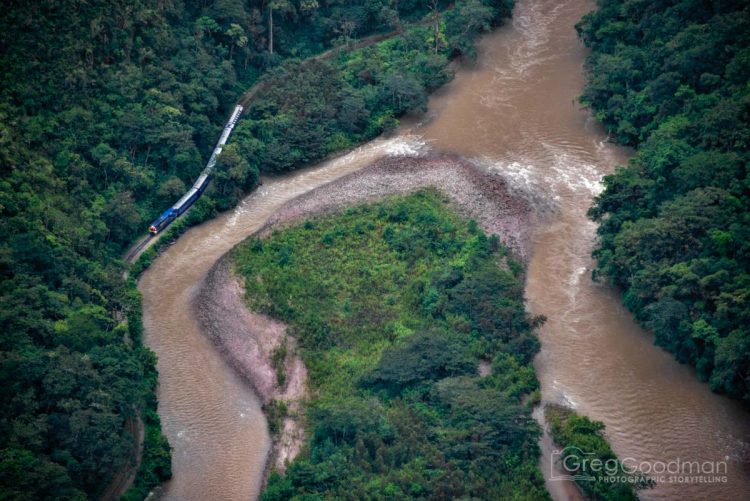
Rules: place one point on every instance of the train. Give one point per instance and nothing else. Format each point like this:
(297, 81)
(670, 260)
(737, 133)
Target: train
(200, 185)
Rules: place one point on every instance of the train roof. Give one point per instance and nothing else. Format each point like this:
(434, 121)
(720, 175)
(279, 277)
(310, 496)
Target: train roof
(184, 198)
(201, 179)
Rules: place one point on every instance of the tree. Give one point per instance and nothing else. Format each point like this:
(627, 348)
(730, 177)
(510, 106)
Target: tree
(437, 34)
(347, 27)
(465, 23)
(237, 38)
(406, 93)
(281, 6)
(233, 174)
(171, 188)
(308, 7)
(424, 356)
(25, 476)
(121, 216)
(205, 24)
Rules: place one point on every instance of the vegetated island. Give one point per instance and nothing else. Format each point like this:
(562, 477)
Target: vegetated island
(389, 341)
(392, 306)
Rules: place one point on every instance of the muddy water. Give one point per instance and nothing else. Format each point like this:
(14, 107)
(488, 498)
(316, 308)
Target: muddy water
(514, 111)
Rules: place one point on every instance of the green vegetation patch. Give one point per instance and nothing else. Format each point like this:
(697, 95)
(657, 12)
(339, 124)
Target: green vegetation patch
(587, 455)
(394, 305)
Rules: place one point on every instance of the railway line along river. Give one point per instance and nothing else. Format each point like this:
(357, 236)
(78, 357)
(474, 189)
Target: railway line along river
(513, 110)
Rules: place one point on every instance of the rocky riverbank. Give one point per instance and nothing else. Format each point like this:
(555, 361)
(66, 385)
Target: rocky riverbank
(249, 341)
(476, 193)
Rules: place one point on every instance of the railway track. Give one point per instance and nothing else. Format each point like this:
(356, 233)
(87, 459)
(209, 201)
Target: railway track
(136, 250)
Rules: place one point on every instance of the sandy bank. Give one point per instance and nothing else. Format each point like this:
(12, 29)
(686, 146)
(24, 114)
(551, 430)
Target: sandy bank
(248, 340)
(475, 193)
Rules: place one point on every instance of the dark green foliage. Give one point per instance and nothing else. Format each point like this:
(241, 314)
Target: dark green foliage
(275, 412)
(29, 477)
(585, 452)
(106, 110)
(278, 360)
(398, 408)
(423, 357)
(672, 79)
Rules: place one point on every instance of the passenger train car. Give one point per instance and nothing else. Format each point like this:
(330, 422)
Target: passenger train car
(200, 184)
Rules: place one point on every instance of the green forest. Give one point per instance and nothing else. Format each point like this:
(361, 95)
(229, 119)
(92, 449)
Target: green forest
(394, 305)
(671, 78)
(108, 110)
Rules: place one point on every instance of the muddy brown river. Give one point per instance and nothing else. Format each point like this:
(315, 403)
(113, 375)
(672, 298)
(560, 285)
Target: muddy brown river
(514, 111)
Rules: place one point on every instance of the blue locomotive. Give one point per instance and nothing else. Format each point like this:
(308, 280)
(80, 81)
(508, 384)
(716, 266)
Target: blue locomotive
(181, 206)
(200, 184)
